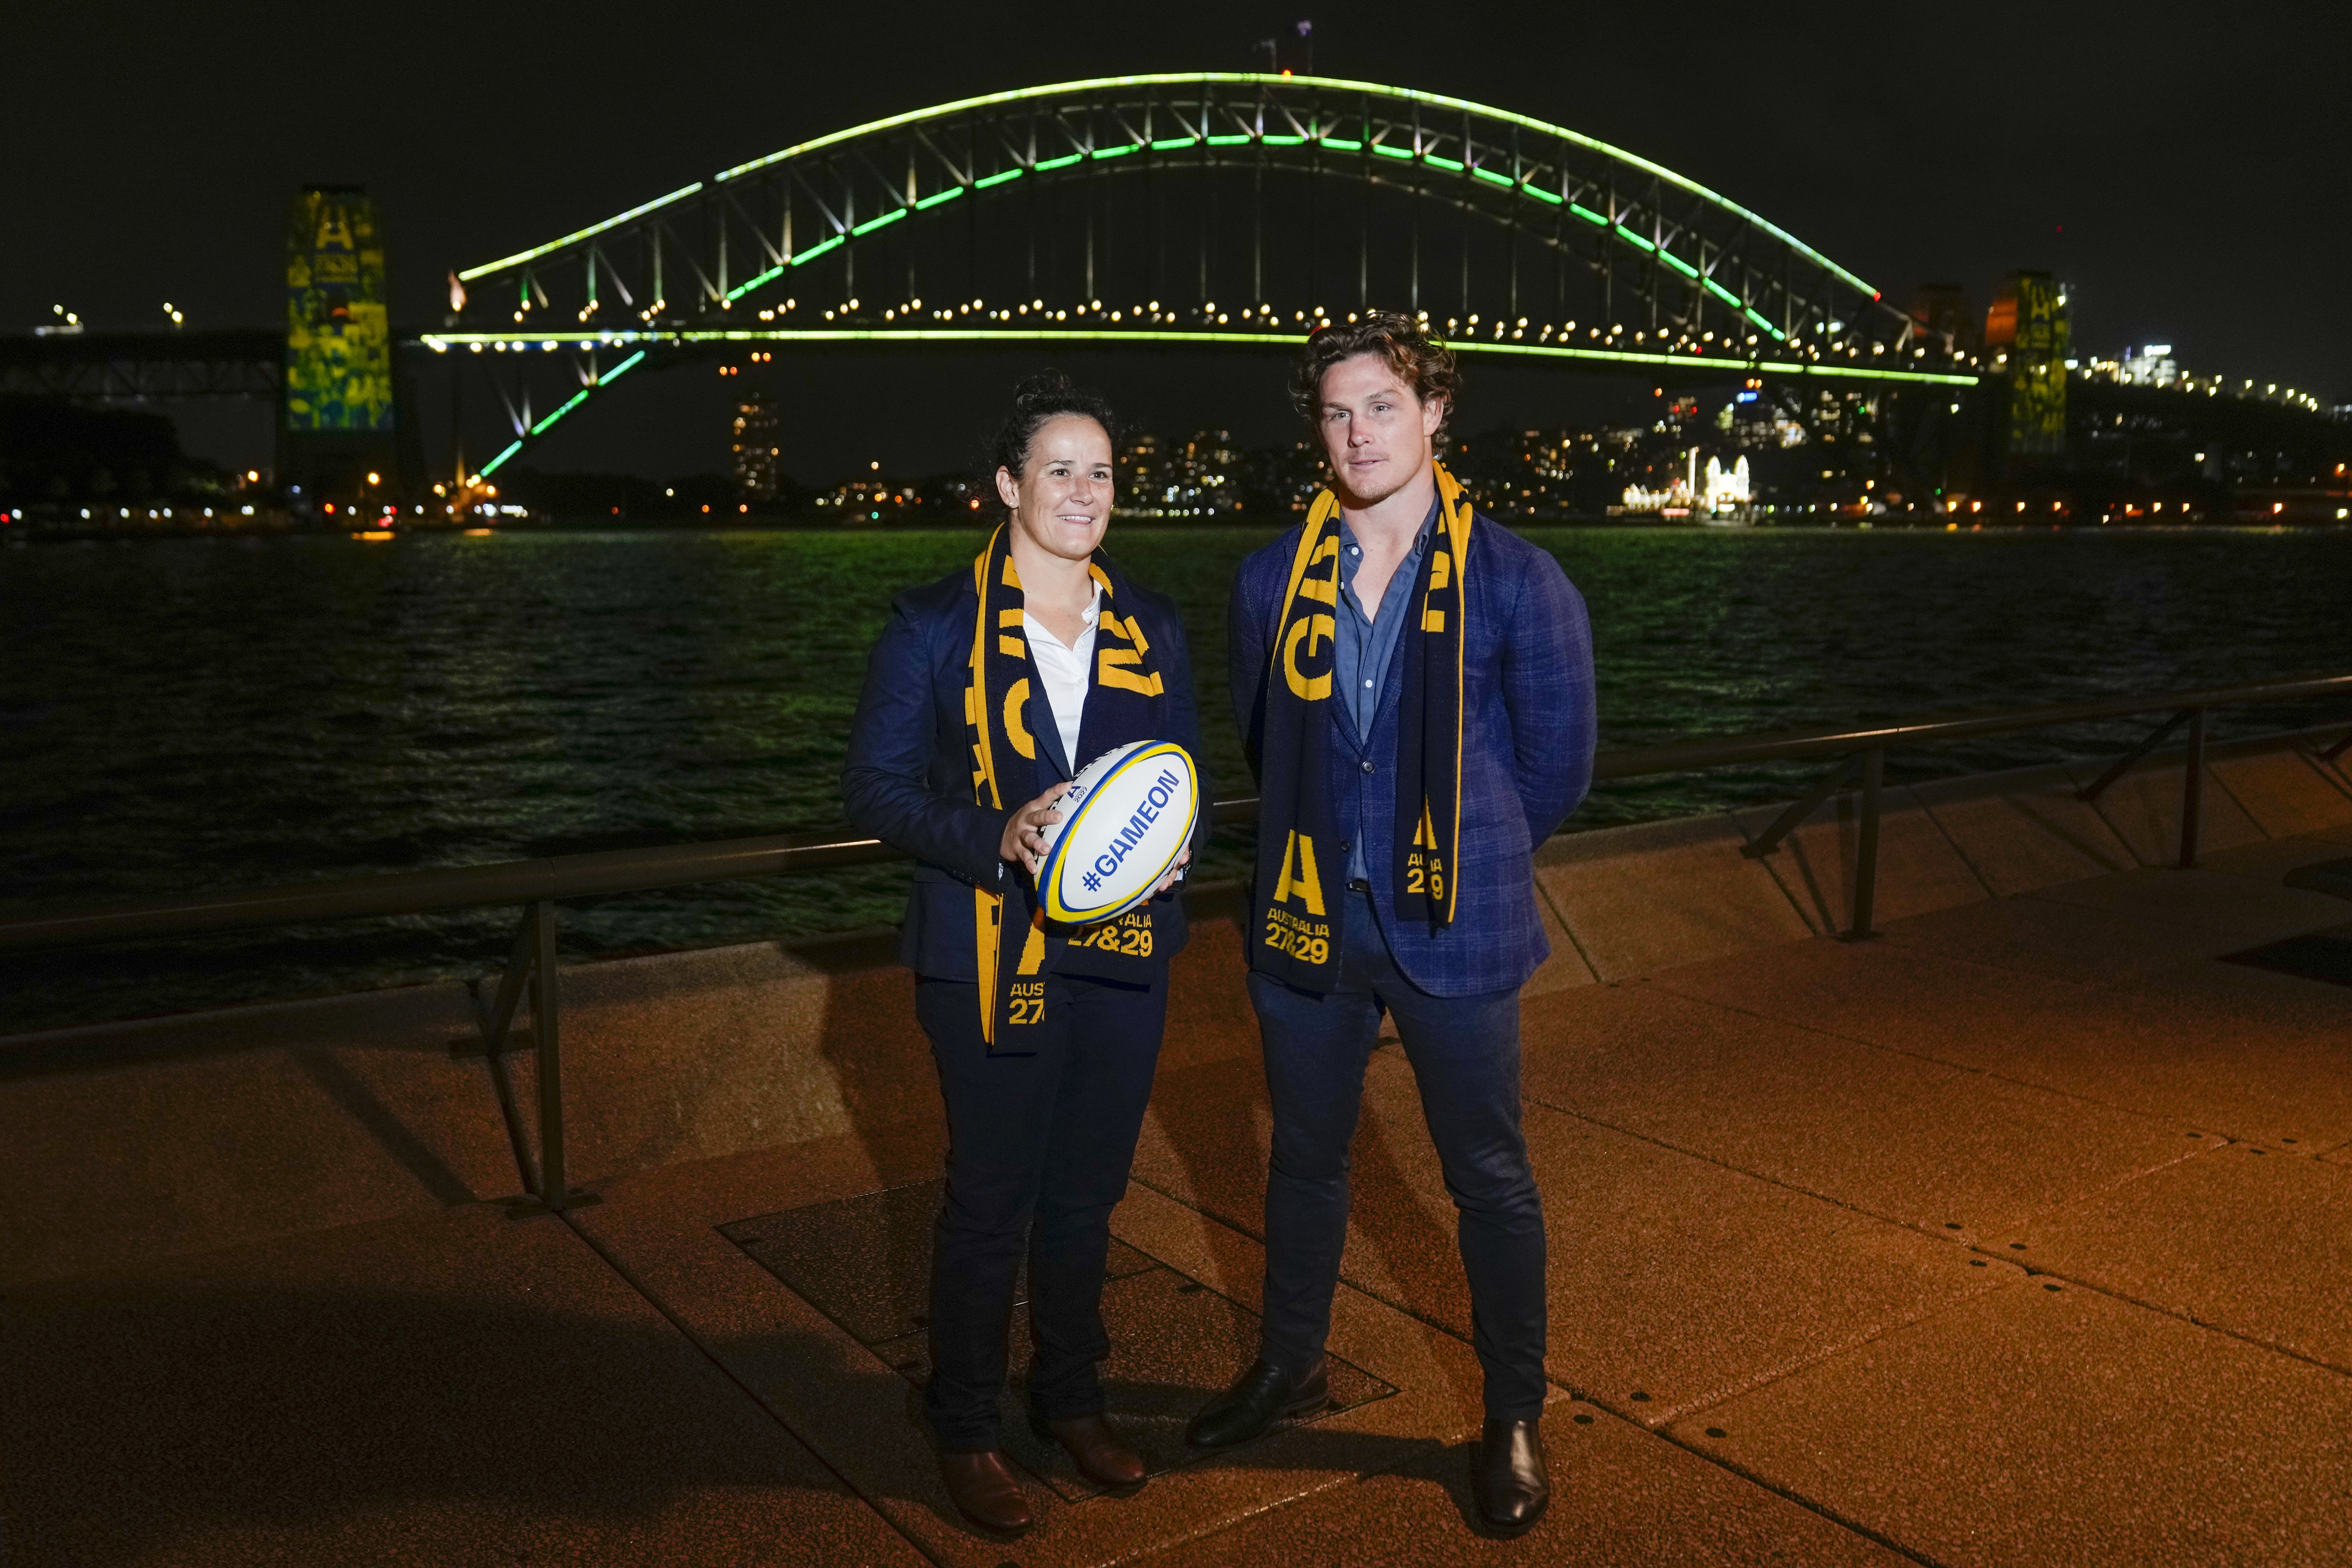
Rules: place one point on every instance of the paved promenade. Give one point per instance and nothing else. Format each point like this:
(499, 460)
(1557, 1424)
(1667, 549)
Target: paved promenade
(2021, 1235)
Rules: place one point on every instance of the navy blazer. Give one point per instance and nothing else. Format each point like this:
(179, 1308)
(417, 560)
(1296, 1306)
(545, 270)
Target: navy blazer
(1528, 739)
(909, 777)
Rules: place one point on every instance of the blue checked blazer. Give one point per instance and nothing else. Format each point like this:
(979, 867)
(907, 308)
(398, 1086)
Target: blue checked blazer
(1526, 742)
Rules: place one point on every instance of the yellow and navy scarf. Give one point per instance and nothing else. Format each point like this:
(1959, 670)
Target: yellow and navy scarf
(1301, 864)
(1014, 945)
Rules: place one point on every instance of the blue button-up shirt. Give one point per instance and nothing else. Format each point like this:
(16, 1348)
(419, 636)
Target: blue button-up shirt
(1367, 643)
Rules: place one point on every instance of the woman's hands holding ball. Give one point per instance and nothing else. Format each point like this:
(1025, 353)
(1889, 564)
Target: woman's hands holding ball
(1024, 843)
(1025, 832)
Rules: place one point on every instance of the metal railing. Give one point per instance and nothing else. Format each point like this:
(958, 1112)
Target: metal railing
(537, 884)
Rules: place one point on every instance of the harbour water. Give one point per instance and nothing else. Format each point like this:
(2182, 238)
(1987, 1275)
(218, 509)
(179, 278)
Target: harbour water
(198, 714)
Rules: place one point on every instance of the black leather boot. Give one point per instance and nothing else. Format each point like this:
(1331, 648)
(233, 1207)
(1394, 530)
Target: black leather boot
(1509, 1477)
(1257, 1399)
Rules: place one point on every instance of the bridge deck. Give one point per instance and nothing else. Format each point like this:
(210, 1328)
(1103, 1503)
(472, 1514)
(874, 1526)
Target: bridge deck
(2020, 1236)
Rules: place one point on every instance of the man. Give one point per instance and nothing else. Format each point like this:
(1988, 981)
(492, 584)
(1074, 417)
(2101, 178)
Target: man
(1415, 686)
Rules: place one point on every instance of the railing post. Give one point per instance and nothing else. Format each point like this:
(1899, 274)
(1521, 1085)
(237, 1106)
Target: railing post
(2192, 790)
(1865, 858)
(1766, 842)
(553, 1192)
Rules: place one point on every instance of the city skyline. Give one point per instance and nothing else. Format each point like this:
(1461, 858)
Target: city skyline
(1877, 173)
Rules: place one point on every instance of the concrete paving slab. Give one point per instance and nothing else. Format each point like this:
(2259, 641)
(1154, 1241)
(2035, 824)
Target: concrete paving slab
(2086, 943)
(860, 1413)
(2032, 832)
(2215, 1059)
(2296, 985)
(1568, 964)
(1671, 1279)
(2143, 807)
(696, 1055)
(2239, 910)
(2286, 792)
(1950, 1152)
(2250, 1239)
(1171, 1338)
(1619, 1497)
(865, 1261)
(2149, 954)
(2270, 861)
(1918, 868)
(2053, 1425)
(2321, 956)
(1205, 1141)
(456, 1388)
(1659, 894)
(1436, 1377)
(1209, 1014)
(106, 1166)
(689, 1056)
(1672, 1282)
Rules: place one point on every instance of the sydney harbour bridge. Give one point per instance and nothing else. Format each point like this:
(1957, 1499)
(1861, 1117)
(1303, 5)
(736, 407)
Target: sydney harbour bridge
(1214, 210)
(1217, 210)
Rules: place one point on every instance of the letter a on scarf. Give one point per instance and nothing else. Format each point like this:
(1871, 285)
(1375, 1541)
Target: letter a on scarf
(1014, 947)
(1301, 864)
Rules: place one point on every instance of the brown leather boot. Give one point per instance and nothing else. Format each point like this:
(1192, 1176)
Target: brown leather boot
(1098, 1451)
(982, 1486)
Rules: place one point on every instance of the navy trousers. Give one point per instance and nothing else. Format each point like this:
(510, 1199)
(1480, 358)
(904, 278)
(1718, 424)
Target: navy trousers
(1465, 1052)
(1039, 1144)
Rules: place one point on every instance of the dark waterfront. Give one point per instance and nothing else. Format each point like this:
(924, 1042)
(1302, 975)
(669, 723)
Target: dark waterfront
(198, 714)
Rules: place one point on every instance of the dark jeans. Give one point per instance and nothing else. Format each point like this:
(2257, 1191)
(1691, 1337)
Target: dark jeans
(1465, 1052)
(1051, 1135)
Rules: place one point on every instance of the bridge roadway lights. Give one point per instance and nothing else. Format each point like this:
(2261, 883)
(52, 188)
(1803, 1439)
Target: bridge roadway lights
(690, 337)
(642, 342)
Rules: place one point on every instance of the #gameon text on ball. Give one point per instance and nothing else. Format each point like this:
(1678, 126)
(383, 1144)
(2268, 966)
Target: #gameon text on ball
(1125, 819)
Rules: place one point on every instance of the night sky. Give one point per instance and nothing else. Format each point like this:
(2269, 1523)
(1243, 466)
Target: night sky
(2188, 169)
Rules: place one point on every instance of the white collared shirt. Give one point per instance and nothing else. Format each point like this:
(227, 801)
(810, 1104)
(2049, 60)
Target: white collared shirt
(1066, 672)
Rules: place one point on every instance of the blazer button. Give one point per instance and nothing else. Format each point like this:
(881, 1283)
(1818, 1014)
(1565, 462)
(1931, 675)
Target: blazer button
(1368, 764)
(1345, 846)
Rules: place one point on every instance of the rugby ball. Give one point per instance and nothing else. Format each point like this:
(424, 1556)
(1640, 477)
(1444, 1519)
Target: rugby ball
(1125, 818)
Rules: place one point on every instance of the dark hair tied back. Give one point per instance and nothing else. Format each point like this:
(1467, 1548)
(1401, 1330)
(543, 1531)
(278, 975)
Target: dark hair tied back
(1048, 396)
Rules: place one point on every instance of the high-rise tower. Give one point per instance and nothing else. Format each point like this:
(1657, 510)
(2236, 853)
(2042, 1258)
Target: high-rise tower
(337, 429)
(754, 448)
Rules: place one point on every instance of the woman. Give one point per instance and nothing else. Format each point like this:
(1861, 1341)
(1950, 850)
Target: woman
(1070, 659)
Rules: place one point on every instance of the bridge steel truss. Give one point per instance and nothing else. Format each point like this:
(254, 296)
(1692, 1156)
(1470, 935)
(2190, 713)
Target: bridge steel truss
(108, 368)
(1670, 273)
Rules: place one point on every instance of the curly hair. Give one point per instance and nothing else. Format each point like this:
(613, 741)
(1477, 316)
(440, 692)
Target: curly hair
(1037, 400)
(1420, 359)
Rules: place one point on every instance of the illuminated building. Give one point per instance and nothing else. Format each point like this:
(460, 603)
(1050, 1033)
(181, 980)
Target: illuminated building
(1141, 468)
(2027, 328)
(337, 436)
(1718, 492)
(2152, 365)
(754, 450)
(1942, 311)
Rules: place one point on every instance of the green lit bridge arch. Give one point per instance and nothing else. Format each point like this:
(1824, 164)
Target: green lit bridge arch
(1210, 209)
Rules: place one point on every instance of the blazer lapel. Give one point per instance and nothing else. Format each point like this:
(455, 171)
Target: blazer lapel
(1047, 732)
